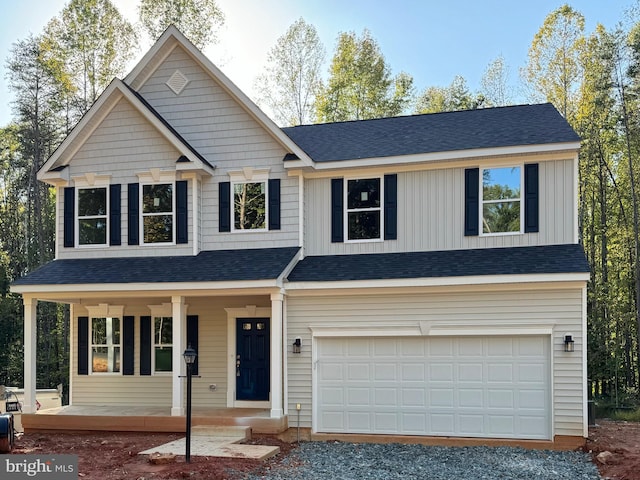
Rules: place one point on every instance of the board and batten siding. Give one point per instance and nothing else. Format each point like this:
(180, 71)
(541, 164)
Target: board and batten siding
(155, 390)
(562, 308)
(224, 133)
(431, 214)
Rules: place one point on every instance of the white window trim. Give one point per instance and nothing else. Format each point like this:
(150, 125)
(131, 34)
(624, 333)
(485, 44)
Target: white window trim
(108, 345)
(481, 201)
(346, 212)
(142, 214)
(266, 206)
(106, 216)
(154, 345)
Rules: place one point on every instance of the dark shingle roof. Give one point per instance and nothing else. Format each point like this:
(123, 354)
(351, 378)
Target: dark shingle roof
(215, 266)
(547, 259)
(431, 133)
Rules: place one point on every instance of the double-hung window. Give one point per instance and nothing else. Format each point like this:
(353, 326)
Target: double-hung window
(105, 345)
(93, 216)
(364, 212)
(249, 206)
(501, 200)
(162, 344)
(158, 213)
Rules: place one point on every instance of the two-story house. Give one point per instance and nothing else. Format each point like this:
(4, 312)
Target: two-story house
(417, 275)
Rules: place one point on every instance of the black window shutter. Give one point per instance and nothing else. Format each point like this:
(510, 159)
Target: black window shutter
(182, 235)
(337, 211)
(531, 194)
(390, 207)
(83, 345)
(133, 213)
(145, 345)
(115, 214)
(128, 346)
(224, 207)
(274, 204)
(471, 201)
(192, 338)
(69, 216)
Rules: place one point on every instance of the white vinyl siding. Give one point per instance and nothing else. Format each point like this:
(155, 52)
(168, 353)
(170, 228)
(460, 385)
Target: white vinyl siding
(431, 214)
(210, 120)
(123, 145)
(155, 390)
(559, 308)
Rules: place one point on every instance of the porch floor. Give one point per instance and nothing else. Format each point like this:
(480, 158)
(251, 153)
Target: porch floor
(124, 418)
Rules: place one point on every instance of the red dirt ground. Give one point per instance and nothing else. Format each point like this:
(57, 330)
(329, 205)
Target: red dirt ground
(622, 439)
(113, 456)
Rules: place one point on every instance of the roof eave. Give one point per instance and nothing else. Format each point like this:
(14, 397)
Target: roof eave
(433, 157)
(471, 280)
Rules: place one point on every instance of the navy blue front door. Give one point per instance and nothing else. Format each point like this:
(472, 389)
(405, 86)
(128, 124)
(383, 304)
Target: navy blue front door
(252, 359)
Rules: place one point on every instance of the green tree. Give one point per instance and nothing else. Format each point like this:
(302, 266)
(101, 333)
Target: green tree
(90, 43)
(448, 99)
(494, 84)
(293, 75)
(360, 84)
(553, 71)
(198, 20)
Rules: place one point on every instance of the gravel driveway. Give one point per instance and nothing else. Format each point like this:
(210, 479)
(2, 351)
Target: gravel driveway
(338, 461)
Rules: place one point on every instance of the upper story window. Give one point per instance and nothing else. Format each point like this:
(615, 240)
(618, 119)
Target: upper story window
(364, 212)
(163, 344)
(158, 211)
(250, 206)
(105, 345)
(501, 200)
(92, 216)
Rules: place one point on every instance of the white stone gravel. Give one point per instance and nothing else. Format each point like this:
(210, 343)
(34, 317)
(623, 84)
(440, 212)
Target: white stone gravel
(349, 461)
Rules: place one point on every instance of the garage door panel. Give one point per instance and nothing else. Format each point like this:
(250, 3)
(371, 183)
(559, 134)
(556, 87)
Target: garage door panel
(470, 372)
(479, 387)
(413, 397)
(441, 372)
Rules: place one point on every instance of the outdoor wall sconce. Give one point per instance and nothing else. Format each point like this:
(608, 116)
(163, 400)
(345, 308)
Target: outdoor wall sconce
(297, 345)
(568, 343)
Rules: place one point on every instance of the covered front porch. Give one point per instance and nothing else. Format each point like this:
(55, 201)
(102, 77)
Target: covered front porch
(148, 419)
(127, 339)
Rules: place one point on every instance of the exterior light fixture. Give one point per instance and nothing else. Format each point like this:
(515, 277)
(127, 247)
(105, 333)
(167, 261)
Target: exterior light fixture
(568, 343)
(189, 356)
(297, 345)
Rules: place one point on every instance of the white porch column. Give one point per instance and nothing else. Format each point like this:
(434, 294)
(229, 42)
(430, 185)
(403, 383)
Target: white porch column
(276, 354)
(178, 312)
(30, 345)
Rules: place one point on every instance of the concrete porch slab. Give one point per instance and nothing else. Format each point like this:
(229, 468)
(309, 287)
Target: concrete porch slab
(210, 441)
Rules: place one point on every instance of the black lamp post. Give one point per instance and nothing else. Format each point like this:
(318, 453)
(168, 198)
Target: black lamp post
(189, 358)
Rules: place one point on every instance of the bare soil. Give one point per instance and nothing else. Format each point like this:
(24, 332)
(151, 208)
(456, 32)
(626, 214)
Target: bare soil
(114, 456)
(622, 440)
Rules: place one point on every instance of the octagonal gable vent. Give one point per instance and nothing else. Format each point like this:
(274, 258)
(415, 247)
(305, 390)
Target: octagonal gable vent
(177, 82)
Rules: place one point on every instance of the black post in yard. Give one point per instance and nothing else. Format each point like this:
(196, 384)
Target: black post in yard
(189, 358)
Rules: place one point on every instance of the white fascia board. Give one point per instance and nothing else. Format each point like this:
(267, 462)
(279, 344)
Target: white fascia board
(138, 289)
(90, 121)
(440, 281)
(82, 129)
(441, 156)
(172, 33)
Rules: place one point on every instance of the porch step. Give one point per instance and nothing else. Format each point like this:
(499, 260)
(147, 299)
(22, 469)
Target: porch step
(236, 433)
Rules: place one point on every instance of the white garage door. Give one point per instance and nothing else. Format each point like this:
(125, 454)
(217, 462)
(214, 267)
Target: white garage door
(465, 386)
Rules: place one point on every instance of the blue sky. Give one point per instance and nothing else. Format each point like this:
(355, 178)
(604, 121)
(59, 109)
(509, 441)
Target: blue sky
(432, 40)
